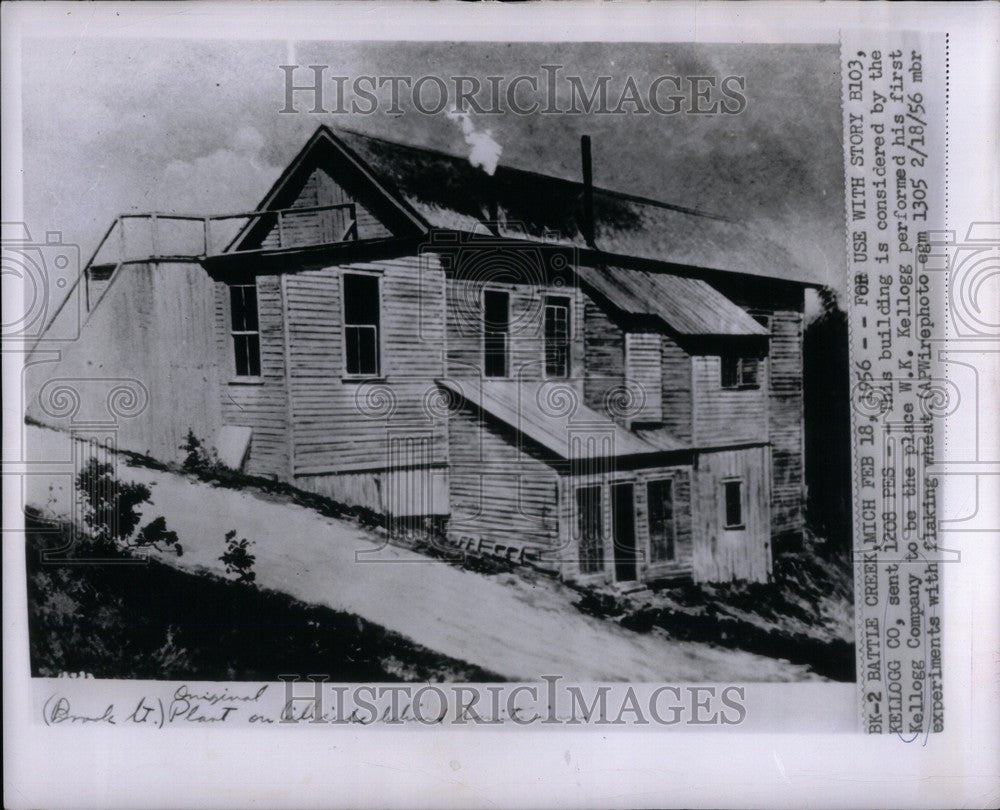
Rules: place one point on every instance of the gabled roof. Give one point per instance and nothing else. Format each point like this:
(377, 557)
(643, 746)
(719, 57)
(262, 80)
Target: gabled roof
(689, 306)
(519, 405)
(433, 189)
(448, 192)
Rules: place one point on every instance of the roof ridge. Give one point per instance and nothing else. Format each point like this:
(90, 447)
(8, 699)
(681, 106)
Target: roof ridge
(623, 195)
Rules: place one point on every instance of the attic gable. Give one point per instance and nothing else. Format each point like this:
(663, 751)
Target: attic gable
(326, 195)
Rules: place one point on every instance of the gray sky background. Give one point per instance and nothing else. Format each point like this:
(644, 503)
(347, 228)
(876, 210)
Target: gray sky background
(193, 127)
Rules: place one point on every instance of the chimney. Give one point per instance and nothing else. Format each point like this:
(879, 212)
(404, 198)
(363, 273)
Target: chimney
(588, 191)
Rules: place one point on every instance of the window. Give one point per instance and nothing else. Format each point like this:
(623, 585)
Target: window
(245, 329)
(733, 493)
(739, 372)
(361, 325)
(660, 500)
(557, 337)
(590, 532)
(496, 329)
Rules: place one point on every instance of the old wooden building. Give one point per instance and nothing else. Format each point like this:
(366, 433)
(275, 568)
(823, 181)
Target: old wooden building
(603, 384)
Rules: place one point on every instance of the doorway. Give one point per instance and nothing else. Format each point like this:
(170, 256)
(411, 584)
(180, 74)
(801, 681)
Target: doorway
(623, 528)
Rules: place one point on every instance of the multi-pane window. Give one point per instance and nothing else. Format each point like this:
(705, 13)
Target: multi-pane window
(245, 329)
(361, 324)
(660, 498)
(557, 337)
(496, 332)
(733, 504)
(589, 529)
(739, 372)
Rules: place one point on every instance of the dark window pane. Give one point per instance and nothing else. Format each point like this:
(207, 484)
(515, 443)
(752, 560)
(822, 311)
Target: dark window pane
(243, 305)
(739, 372)
(246, 339)
(730, 372)
(361, 324)
(660, 496)
(589, 529)
(734, 503)
(496, 310)
(361, 348)
(557, 339)
(361, 305)
(240, 350)
(246, 349)
(496, 325)
(253, 355)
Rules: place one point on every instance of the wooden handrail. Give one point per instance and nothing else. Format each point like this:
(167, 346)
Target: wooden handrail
(157, 217)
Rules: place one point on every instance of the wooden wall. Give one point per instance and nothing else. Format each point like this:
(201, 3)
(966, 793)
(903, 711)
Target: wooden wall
(785, 305)
(725, 554)
(421, 491)
(680, 566)
(319, 227)
(644, 372)
(260, 405)
(678, 397)
(786, 422)
(152, 333)
(604, 344)
(340, 424)
(726, 416)
(499, 492)
(527, 332)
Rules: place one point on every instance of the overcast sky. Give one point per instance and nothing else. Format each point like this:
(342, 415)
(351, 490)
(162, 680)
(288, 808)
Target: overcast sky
(193, 127)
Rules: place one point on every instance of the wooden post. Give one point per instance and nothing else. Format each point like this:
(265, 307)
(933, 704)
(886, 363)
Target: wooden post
(153, 229)
(208, 235)
(121, 239)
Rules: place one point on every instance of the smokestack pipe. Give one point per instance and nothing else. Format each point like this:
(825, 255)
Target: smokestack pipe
(588, 191)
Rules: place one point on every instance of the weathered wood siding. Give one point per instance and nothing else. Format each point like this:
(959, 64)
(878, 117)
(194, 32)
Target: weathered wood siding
(527, 327)
(678, 397)
(644, 373)
(342, 424)
(604, 347)
(422, 491)
(727, 416)
(786, 422)
(152, 334)
(784, 304)
(722, 554)
(260, 405)
(501, 488)
(319, 227)
(680, 566)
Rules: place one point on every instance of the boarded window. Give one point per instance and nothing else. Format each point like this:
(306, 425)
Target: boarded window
(245, 329)
(590, 529)
(361, 325)
(557, 337)
(660, 498)
(733, 494)
(496, 332)
(739, 372)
